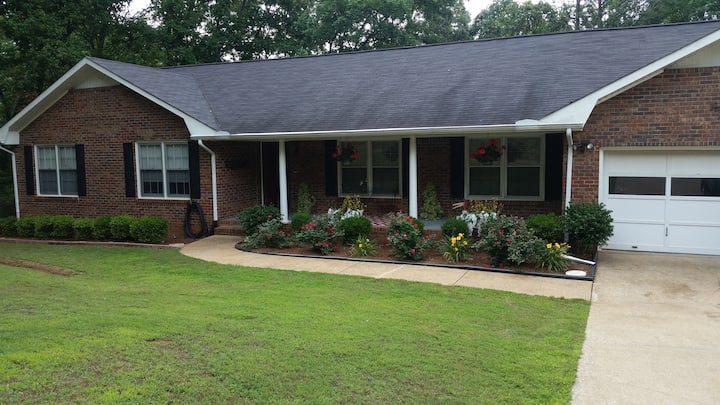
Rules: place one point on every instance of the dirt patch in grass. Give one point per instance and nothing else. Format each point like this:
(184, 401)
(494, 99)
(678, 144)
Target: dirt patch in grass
(45, 268)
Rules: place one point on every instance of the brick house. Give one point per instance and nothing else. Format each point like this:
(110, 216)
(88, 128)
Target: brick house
(628, 117)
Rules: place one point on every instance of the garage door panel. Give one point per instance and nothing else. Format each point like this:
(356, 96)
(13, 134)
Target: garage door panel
(638, 236)
(694, 239)
(636, 164)
(694, 163)
(630, 209)
(701, 211)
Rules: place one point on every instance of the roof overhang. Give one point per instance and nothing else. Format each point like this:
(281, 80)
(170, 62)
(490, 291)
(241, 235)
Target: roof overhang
(84, 74)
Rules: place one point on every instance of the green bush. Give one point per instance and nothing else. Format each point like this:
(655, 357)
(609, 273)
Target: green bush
(298, 220)
(269, 234)
(406, 237)
(431, 208)
(83, 228)
(320, 234)
(54, 227)
(508, 240)
(454, 226)
(355, 227)
(305, 199)
(149, 229)
(8, 226)
(589, 224)
(120, 227)
(26, 226)
(548, 227)
(43, 227)
(101, 228)
(251, 218)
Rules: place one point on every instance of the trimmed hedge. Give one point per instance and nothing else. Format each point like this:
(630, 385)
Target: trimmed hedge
(151, 229)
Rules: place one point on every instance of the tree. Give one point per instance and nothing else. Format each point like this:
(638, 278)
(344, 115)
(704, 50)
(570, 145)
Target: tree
(673, 11)
(506, 18)
(610, 13)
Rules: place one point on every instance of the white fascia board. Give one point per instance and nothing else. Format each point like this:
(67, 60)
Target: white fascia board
(525, 126)
(580, 110)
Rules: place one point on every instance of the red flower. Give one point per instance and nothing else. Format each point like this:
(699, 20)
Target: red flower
(493, 142)
(481, 152)
(270, 236)
(334, 155)
(500, 233)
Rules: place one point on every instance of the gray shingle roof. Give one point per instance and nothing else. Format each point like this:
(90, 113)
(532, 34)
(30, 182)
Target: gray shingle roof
(490, 82)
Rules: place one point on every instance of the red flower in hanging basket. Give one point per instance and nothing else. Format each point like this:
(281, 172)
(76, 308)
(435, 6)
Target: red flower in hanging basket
(488, 153)
(345, 152)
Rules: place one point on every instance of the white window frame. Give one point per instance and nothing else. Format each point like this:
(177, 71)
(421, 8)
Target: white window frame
(369, 167)
(503, 140)
(57, 170)
(138, 170)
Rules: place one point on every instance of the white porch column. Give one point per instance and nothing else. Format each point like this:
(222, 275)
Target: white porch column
(282, 164)
(413, 179)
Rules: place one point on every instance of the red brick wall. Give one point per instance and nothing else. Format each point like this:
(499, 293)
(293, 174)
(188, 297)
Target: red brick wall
(679, 108)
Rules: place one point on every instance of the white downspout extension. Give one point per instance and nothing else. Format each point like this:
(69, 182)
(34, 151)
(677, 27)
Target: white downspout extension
(282, 164)
(568, 176)
(413, 178)
(15, 181)
(213, 169)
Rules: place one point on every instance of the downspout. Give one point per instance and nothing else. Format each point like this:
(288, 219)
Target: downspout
(568, 175)
(15, 180)
(213, 170)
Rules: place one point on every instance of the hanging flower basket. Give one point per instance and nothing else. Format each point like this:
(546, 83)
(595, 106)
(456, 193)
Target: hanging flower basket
(345, 153)
(490, 153)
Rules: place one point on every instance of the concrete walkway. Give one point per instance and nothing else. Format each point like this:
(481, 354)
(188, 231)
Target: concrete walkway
(653, 335)
(221, 249)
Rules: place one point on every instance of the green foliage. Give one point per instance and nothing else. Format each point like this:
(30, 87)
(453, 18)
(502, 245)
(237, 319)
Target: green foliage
(454, 226)
(101, 228)
(83, 228)
(431, 208)
(406, 237)
(589, 224)
(363, 246)
(26, 226)
(269, 234)
(548, 227)
(354, 227)
(508, 240)
(120, 227)
(8, 226)
(455, 248)
(507, 18)
(149, 229)
(305, 199)
(352, 204)
(251, 218)
(552, 259)
(298, 220)
(321, 235)
(54, 226)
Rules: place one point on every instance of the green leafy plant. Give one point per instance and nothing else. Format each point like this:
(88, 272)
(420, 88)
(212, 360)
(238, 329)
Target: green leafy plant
(101, 228)
(552, 259)
(352, 204)
(508, 240)
(149, 229)
(8, 226)
(298, 220)
(454, 226)
(455, 248)
(269, 234)
(83, 228)
(54, 226)
(589, 224)
(305, 199)
(120, 227)
(431, 208)
(354, 227)
(406, 237)
(251, 218)
(363, 246)
(26, 226)
(321, 235)
(548, 227)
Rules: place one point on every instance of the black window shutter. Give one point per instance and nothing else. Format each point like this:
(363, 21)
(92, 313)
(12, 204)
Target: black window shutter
(331, 178)
(80, 168)
(194, 156)
(129, 169)
(553, 166)
(29, 172)
(406, 167)
(457, 167)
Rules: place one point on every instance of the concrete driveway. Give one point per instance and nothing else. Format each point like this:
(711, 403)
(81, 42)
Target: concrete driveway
(653, 335)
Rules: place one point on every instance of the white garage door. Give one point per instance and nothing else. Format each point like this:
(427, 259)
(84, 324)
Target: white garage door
(663, 201)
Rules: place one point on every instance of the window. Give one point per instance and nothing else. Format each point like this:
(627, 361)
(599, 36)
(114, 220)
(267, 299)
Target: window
(57, 170)
(163, 170)
(509, 167)
(375, 172)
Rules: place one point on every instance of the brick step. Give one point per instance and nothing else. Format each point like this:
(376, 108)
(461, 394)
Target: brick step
(231, 230)
(228, 221)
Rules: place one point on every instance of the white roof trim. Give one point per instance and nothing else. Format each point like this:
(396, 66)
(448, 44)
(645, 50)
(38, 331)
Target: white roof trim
(10, 132)
(581, 109)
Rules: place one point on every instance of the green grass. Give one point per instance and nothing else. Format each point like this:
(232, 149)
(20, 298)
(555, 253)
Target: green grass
(148, 325)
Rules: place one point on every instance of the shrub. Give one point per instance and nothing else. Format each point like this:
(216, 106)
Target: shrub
(305, 199)
(320, 234)
(509, 240)
(43, 227)
(355, 227)
(120, 227)
(251, 218)
(8, 226)
(363, 246)
(455, 248)
(431, 208)
(149, 229)
(552, 259)
(83, 228)
(298, 220)
(268, 234)
(454, 226)
(26, 226)
(101, 228)
(548, 227)
(406, 238)
(62, 227)
(589, 224)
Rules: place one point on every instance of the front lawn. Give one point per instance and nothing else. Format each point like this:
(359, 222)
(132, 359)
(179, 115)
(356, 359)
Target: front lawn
(149, 325)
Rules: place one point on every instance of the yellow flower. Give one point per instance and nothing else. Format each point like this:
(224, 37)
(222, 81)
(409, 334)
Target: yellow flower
(557, 245)
(360, 245)
(549, 246)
